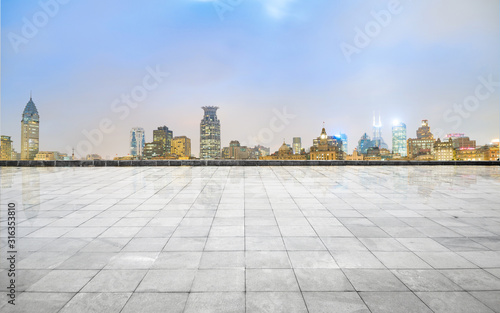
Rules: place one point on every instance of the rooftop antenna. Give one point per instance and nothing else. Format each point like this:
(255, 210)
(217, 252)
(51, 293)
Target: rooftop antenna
(31, 93)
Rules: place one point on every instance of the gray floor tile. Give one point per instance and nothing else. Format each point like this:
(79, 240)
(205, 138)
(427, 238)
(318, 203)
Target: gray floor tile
(322, 280)
(388, 302)
(275, 302)
(156, 303)
(334, 302)
(374, 280)
(223, 302)
(96, 302)
(271, 280)
(459, 302)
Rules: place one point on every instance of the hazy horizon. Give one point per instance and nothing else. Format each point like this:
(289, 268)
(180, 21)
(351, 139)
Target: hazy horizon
(251, 59)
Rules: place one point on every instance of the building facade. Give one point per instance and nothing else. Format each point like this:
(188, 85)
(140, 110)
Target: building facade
(30, 128)
(424, 131)
(163, 136)
(181, 146)
(364, 143)
(297, 145)
(284, 153)
(210, 147)
(5, 148)
(137, 142)
(325, 148)
(399, 139)
(443, 150)
(345, 144)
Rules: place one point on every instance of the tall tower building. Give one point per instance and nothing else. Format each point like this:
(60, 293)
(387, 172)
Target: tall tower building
(297, 145)
(343, 138)
(163, 135)
(424, 131)
(137, 141)
(30, 131)
(378, 141)
(210, 134)
(399, 139)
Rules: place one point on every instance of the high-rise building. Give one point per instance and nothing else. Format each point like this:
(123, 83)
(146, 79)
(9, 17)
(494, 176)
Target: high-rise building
(422, 147)
(153, 150)
(210, 147)
(297, 145)
(424, 131)
(30, 131)
(181, 146)
(399, 139)
(5, 148)
(364, 143)
(343, 138)
(378, 141)
(137, 142)
(163, 136)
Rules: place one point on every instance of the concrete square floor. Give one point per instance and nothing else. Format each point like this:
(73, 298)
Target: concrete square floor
(254, 239)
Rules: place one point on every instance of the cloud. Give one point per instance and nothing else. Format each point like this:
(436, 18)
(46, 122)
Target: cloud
(277, 9)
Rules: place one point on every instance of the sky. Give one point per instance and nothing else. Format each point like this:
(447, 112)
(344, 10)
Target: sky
(277, 69)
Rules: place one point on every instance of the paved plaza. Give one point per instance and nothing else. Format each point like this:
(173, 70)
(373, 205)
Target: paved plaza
(253, 239)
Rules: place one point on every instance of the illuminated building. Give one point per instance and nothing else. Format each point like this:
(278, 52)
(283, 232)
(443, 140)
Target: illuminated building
(469, 154)
(30, 131)
(343, 138)
(47, 156)
(163, 136)
(297, 145)
(210, 147)
(377, 140)
(355, 156)
(463, 142)
(443, 151)
(421, 148)
(153, 150)
(181, 146)
(399, 139)
(137, 142)
(5, 148)
(285, 153)
(326, 148)
(424, 131)
(364, 143)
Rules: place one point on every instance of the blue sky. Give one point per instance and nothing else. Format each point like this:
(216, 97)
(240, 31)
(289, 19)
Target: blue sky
(263, 56)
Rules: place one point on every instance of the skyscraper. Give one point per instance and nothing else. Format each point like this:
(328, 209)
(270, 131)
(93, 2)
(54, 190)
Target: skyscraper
(378, 141)
(210, 134)
(424, 131)
(137, 141)
(297, 145)
(364, 143)
(399, 139)
(30, 131)
(343, 138)
(164, 136)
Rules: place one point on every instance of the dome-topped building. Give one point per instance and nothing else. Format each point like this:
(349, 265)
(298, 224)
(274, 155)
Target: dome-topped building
(30, 131)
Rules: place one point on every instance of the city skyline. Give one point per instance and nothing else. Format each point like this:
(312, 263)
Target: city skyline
(251, 66)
